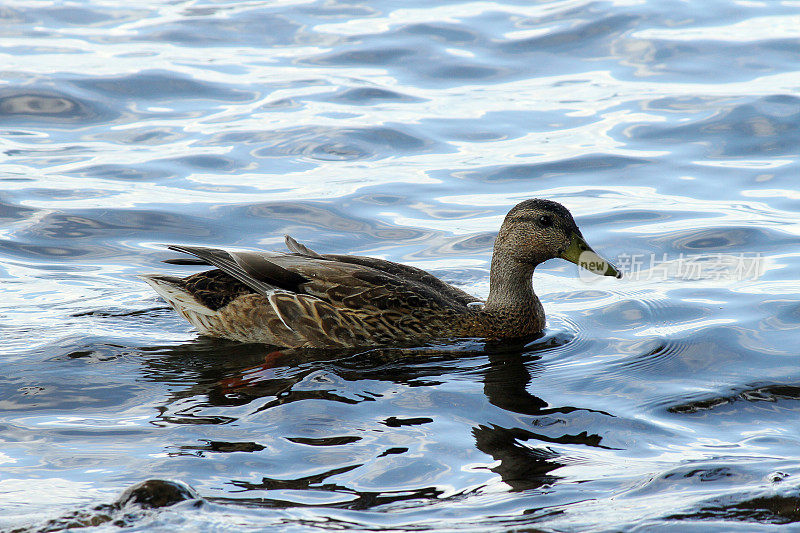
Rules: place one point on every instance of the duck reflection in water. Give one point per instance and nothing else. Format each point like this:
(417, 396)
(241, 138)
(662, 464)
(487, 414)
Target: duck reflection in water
(272, 380)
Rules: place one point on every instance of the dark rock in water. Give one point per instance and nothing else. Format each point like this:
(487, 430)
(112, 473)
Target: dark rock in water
(150, 494)
(155, 493)
(771, 509)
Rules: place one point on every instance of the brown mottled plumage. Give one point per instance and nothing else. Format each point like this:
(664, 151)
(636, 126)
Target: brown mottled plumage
(304, 299)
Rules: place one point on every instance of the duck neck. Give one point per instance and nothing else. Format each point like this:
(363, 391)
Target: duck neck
(510, 284)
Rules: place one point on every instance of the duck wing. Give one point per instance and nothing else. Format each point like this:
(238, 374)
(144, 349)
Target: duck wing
(409, 273)
(360, 283)
(250, 268)
(316, 300)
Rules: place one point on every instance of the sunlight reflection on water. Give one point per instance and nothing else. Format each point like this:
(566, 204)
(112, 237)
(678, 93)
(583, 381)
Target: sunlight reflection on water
(405, 133)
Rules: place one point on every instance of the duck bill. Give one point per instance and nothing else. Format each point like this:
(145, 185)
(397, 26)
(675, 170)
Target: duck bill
(581, 254)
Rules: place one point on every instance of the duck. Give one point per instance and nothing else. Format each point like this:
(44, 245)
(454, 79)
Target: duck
(303, 299)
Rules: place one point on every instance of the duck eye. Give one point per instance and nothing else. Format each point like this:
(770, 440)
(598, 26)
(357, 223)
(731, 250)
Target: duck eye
(545, 221)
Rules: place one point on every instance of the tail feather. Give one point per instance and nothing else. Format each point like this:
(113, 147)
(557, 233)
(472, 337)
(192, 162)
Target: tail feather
(301, 249)
(171, 289)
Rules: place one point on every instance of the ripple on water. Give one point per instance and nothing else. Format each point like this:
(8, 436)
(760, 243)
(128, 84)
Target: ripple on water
(222, 26)
(141, 136)
(344, 144)
(586, 37)
(662, 357)
(144, 172)
(741, 239)
(159, 86)
(369, 96)
(100, 224)
(80, 16)
(595, 164)
(424, 63)
(760, 127)
(327, 216)
(24, 105)
(452, 34)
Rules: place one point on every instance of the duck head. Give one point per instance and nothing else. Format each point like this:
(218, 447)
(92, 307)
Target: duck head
(537, 230)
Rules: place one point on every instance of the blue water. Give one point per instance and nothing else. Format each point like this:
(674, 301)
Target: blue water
(664, 401)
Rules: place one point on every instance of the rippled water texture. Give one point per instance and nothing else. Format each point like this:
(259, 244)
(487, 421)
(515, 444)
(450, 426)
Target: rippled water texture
(665, 401)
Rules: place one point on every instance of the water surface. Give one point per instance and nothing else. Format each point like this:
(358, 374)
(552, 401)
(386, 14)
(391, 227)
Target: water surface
(664, 401)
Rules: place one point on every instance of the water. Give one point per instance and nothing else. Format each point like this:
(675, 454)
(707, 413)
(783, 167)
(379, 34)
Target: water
(664, 401)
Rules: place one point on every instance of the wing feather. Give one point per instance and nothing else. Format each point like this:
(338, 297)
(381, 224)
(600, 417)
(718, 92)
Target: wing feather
(301, 249)
(409, 273)
(361, 284)
(253, 269)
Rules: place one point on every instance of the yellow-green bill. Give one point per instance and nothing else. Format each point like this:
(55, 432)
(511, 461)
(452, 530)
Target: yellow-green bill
(581, 254)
